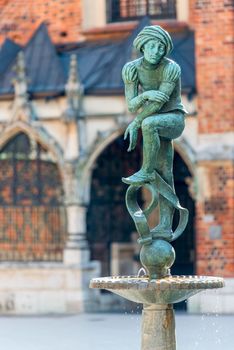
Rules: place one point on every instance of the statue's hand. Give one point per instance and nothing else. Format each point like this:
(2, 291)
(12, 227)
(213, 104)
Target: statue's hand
(156, 96)
(132, 130)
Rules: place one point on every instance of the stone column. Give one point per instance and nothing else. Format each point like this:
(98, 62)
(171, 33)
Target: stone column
(158, 327)
(76, 250)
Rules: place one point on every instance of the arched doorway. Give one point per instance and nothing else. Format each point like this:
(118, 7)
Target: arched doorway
(32, 216)
(108, 221)
(107, 218)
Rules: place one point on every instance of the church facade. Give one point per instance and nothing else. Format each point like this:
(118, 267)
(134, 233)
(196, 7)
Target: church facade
(62, 153)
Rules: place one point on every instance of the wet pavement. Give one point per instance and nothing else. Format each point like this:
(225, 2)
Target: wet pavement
(110, 332)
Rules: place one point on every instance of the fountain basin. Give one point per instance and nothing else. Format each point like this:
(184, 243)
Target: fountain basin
(168, 290)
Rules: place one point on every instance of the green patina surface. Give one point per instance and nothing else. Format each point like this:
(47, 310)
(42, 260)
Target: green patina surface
(153, 92)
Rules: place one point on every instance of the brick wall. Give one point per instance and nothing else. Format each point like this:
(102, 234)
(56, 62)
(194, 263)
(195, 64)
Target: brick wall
(212, 21)
(20, 18)
(215, 219)
(3, 3)
(214, 31)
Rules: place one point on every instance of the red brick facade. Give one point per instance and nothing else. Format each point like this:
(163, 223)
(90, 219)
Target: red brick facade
(214, 32)
(215, 218)
(20, 19)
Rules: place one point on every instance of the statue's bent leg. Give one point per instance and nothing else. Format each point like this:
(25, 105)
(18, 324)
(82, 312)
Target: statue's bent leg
(165, 126)
(169, 126)
(151, 146)
(164, 168)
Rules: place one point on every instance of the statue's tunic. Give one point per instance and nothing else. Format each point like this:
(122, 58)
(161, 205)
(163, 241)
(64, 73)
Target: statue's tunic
(165, 77)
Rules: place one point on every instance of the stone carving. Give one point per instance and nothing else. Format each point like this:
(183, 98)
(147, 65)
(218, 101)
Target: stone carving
(22, 109)
(74, 92)
(74, 98)
(70, 183)
(152, 90)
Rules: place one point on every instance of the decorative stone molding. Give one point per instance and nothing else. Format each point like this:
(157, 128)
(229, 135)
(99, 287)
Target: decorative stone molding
(74, 111)
(216, 147)
(22, 109)
(36, 132)
(74, 93)
(70, 183)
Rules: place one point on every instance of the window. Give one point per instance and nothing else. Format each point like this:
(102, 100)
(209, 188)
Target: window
(32, 214)
(124, 10)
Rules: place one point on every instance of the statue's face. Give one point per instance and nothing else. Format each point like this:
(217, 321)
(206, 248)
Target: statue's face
(153, 51)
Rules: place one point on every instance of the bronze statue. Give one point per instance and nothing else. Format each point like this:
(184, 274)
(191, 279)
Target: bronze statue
(153, 90)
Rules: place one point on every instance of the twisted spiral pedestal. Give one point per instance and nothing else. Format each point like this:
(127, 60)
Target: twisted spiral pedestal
(157, 254)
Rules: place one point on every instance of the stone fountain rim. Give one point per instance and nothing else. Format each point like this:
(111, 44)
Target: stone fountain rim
(166, 283)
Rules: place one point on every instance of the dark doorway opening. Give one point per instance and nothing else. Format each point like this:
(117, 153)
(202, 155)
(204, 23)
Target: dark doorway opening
(107, 218)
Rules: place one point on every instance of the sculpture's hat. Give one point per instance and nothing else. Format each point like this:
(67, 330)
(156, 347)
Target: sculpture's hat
(153, 32)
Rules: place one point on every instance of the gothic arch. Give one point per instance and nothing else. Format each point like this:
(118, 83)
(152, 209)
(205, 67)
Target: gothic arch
(33, 225)
(186, 152)
(37, 133)
(85, 167)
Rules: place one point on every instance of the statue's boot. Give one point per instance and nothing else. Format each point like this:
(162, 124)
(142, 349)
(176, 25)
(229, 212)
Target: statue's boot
(139, 178)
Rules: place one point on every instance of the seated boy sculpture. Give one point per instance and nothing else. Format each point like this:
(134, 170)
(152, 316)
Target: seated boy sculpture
(153, 91)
